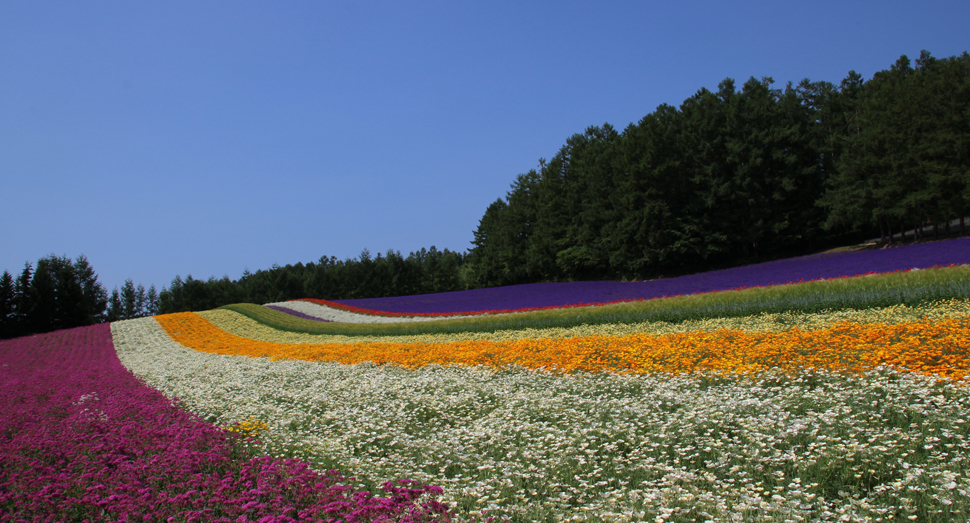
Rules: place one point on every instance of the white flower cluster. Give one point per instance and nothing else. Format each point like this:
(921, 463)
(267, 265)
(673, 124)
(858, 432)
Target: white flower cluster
(540, 446)
(331, 314)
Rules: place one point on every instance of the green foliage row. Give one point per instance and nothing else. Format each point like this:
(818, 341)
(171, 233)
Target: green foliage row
(735, 176)
(884, 290)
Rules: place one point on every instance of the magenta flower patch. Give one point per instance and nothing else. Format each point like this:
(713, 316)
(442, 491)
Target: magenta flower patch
(81, 439)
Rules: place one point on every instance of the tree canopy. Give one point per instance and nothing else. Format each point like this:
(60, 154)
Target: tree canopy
(740, 175)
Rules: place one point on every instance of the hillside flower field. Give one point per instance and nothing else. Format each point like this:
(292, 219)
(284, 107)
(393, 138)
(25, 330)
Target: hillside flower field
(81, 439)
(557, 294)
(766, 404)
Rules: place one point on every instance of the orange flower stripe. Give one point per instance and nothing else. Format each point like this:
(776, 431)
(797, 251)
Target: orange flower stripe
(939, 347)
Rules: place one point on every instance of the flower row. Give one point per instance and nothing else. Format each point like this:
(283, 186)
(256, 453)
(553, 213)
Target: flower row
(81, 439)
(931, 347)
(246, 327)
(324, 310)
(550, 295)
(535, 445)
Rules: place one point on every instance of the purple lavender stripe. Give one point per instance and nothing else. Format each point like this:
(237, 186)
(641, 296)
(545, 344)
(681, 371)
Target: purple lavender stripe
(812, 267)
(298, 314)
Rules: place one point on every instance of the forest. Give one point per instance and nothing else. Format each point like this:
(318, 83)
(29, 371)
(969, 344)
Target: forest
(741, 175)
(730, 177)
(61, 293)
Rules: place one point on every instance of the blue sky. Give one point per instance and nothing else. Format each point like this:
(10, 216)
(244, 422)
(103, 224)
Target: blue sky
(205, 138)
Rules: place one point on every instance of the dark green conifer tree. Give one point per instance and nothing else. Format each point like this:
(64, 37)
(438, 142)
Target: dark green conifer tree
(129, 300)
(7, 301)
(116, 309)
(23, 301)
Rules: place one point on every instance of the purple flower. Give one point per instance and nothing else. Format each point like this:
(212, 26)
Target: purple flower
(804, 268)
(292, 312)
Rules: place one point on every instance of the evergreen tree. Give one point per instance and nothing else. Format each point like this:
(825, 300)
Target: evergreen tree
(69, 293)
(941, 149)
(489, 253)
(116, 309)
(23, 301)
(94, 296)
(152, 301)
(129, 300)
(171, 299)
(589, 185)
(42, 316)
(848, 197)
(141, 301)
(703, 137)
(657, 230)
(7, 303)
(552, 219)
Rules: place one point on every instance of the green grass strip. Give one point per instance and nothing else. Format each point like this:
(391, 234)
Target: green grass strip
(911, 288)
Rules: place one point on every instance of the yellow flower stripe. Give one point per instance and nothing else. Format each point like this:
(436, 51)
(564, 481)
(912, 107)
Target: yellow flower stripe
(931, 347)
(240, 325)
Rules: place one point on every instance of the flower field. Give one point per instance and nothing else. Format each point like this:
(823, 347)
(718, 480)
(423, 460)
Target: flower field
(740, 407)
(805, 268)
(82, 440)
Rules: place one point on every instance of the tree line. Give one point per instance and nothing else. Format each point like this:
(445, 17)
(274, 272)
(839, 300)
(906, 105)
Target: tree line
(61, 293)
(389, 274)
(728, 177)
(740, 175)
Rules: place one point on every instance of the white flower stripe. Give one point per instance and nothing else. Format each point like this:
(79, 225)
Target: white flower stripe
(535, 445)
(331, 314)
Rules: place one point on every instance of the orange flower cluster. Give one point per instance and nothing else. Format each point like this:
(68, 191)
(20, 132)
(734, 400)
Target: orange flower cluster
(939, 347)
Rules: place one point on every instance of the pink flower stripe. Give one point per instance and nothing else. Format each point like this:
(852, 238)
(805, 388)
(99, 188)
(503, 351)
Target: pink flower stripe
(81, 439)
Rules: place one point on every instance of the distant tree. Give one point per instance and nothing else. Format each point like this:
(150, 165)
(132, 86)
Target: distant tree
(552, 218)
(71, 310)
(704, 135)
(940, 98)
(43, 292)
(58, 296)
(655, 202)
(129, 300)
(171, 299)
(94, 297)
(489, 252)
(116, 308)
(152, 301)
(907, 153)
(23, 300)
(141, 301)
(194, 294)
(7, 301)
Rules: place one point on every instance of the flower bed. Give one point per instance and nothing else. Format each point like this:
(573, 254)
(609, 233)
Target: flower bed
(246, 327)
(931, 347)
(81, 439)
(294, 311)
(542, 445)
(545, 295)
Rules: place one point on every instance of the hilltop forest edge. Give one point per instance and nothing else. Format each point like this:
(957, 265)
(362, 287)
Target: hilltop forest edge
(729, 178)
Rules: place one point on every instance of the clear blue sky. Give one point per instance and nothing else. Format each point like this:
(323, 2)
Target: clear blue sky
(164, 138)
